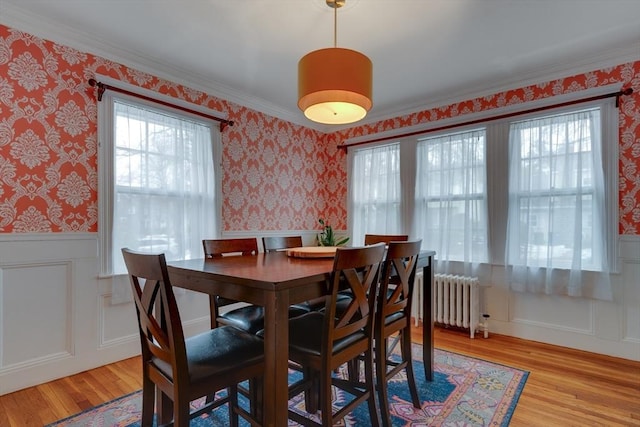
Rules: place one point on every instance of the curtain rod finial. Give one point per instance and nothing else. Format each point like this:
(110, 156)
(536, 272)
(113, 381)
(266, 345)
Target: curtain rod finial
(224, 124)
(101, 87)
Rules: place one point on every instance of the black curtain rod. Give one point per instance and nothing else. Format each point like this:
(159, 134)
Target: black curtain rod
(102, 87)
(617, 95)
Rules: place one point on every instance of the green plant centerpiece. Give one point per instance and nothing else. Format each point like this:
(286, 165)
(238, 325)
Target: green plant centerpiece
(327, 237)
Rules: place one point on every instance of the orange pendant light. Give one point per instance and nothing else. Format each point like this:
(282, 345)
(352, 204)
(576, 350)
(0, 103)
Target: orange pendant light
(335, 84)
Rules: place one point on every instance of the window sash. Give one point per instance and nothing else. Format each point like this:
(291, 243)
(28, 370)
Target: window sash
(561, 194)
(376, 197)
(451, 199)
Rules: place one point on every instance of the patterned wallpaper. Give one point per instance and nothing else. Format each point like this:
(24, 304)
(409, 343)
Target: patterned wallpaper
(274, 171)
(276, 175)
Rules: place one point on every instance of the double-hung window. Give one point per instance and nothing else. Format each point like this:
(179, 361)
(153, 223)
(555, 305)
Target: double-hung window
(535, 193)
(159, 181)
(557, 217)
(451, 196)
(375, 195)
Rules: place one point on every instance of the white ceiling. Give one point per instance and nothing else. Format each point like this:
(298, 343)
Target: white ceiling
(424, 52)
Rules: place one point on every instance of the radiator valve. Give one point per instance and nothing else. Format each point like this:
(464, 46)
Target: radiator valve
(485, 325)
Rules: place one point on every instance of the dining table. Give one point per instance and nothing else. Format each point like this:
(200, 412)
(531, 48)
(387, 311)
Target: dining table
(276, 280)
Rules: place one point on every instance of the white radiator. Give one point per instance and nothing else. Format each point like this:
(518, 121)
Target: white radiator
(456, 301)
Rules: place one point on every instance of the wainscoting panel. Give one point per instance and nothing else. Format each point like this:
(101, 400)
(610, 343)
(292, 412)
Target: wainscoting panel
(630, 249)
(606, 327)
(553, 312)
(56, 314)
(41, 291)
(118, 323)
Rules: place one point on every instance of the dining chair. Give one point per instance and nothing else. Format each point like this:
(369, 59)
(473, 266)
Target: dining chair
(340, 338)
(393, 320)
(370, 239)
(183, 370)
(276, 243)
(249, 318)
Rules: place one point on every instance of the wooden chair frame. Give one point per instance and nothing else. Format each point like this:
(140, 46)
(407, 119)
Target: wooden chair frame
(393, 319)
(166, 364)
(216, 248)
(372, 239)
(276, 243)
(344, 336)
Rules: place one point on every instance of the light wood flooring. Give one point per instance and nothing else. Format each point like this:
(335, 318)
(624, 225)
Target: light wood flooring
(565, 387)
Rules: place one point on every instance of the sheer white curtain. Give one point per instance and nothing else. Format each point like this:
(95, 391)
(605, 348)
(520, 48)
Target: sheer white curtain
(451, 201)
(163, 186)
(556, 235)
(375, 192)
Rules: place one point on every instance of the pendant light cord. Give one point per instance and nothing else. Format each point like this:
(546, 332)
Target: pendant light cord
(335, 25)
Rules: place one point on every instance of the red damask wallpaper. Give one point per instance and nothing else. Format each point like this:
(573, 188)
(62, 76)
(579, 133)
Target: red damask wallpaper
(276, 175)
(274, 171)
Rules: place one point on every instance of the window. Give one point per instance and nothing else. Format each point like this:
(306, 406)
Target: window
(451, 196)
(376, 194)
(556, 199)
(159, 181)
(536, 194)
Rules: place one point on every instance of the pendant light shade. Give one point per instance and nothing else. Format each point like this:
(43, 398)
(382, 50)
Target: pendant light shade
(335, 84)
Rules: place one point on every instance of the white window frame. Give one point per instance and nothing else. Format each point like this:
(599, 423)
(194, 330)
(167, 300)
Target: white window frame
(106, 153)
(355, 208)
(609, 135)
(480, 198)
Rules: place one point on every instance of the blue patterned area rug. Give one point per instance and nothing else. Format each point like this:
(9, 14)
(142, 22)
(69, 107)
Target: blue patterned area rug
(465, 392)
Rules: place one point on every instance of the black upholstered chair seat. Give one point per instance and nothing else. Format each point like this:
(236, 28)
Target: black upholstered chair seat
(393, 318)
(319, 303)
(305, 335)
(216, 351)
(250, 318)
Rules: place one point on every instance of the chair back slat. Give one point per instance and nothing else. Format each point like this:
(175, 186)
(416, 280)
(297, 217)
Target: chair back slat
(372, 239)
(217, 248)
(275, 243)
(214, 248)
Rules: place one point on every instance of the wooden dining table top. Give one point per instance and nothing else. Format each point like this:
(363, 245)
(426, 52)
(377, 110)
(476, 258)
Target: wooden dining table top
(263, 271)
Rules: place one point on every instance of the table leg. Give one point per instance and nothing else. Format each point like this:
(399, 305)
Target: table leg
(276, 352)
(427, 320)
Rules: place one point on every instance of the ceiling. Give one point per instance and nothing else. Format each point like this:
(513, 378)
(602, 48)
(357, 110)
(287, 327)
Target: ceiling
(425, 52)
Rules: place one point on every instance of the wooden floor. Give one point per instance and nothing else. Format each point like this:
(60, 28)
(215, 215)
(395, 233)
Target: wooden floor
(565, 387)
